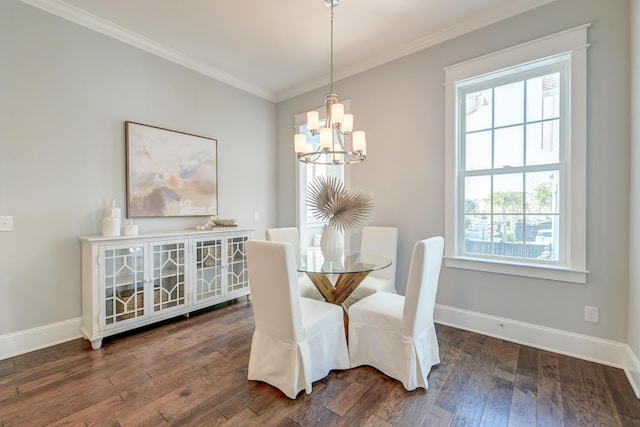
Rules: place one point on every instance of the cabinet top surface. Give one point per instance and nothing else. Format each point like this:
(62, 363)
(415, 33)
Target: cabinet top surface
(160, 234)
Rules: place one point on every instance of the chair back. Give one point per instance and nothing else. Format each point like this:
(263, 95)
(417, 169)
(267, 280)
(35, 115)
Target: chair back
(284, 234)
(422, 285)
(381, 241)
(274, 289)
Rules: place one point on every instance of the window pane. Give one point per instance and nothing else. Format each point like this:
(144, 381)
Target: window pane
(477, 194)
(543, 97)
(534, 99)
(551, 96)
(508, 194)
(542, 192)
(477, 227)
(478, 151)
(478, 115)
(543, 142)
(542, 237)
(505, 230)
(509, 104)
(509, 147)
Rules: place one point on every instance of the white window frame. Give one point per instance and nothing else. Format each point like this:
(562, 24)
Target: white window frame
(572, 265)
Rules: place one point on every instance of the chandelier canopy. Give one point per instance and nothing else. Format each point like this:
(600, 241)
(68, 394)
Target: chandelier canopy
(339, 143)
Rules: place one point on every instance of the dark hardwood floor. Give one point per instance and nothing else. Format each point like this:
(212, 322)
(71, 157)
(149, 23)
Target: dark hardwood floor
(192, 372)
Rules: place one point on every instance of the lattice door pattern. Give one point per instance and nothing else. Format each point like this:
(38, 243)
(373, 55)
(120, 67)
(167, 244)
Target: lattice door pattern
(168, 276)
(237, 264)
(208, 269)
(124, 284)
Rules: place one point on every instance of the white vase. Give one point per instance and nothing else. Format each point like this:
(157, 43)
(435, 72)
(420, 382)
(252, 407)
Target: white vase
(332, 243)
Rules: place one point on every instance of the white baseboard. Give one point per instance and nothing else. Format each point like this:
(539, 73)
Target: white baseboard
(611, 353)
(633, 370)
(43, 336)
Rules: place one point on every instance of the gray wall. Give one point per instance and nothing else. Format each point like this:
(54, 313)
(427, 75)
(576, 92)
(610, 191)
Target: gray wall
(634, 227)
(401, 107)
(65, 92)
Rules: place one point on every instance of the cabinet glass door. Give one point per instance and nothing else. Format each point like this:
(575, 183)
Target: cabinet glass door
(168, 276)
(208, 269)
(237, 278)
(123, 283)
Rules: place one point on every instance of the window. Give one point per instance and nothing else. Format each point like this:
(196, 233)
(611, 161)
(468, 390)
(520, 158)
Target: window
(516, 144)
(510, 181)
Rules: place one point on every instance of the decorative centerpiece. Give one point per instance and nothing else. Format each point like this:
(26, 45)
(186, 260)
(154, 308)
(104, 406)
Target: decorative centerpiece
(215, 221)
(345, 209)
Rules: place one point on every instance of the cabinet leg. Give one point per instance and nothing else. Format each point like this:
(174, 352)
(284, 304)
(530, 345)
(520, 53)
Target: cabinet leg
(96, 344)
(249, 298)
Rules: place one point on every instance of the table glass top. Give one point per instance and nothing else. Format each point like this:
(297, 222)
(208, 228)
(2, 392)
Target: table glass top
(351, 262)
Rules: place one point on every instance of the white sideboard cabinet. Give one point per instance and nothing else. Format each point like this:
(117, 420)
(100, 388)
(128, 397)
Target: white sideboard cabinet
(132, 281)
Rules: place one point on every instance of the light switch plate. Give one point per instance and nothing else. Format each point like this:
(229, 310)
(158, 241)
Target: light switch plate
(6, 223)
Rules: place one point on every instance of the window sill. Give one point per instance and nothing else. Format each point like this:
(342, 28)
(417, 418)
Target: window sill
(547, 272)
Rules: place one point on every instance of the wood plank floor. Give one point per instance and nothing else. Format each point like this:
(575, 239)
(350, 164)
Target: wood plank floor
(192, 372)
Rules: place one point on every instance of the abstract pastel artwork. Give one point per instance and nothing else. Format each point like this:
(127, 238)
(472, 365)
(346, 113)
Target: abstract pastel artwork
(170, 173)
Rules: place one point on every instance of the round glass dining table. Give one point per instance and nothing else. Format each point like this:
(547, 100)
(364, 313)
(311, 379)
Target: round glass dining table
(336, 280)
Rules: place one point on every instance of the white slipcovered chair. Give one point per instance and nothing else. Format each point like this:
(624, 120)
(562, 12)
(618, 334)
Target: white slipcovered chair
(395, 334)
(296, 340)
(290, 235)
(379, 241)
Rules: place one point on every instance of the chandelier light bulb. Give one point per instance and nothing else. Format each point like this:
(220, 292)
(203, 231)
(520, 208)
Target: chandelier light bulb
(313, 121)
(347, 123)
(300, 140)
(359, 141)
(326, 138)
(337, 113)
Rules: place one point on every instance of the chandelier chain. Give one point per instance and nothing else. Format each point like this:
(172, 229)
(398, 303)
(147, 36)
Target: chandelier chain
(331, 86)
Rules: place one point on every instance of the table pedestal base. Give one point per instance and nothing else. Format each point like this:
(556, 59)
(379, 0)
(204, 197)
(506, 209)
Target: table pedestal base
(345, 285)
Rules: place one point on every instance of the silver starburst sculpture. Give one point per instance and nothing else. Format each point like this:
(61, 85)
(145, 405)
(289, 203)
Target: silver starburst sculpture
(345, 209)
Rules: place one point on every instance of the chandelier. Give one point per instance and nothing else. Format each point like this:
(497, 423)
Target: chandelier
(337, 131)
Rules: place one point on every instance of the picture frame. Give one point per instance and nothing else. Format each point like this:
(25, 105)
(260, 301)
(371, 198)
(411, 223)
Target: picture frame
(170, 173)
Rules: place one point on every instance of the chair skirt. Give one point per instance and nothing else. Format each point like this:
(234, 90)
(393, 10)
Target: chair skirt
(292, 367)
(377, 339)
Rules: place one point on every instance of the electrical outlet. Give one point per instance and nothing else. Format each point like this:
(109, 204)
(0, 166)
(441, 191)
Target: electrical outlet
(6, 223)
(591, 314)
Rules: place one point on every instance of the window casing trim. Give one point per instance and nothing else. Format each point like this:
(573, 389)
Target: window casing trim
(574, 43)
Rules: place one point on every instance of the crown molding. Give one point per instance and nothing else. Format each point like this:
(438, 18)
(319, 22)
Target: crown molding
(78, 16)
(478, 21)
(93, 22)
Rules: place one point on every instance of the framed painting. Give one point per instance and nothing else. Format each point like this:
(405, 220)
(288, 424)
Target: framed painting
(170, 173)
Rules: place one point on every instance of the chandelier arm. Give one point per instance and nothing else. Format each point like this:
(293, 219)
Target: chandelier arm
(350, 157)
(340, 138)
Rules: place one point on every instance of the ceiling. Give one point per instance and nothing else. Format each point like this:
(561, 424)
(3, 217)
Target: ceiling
(279, 49)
